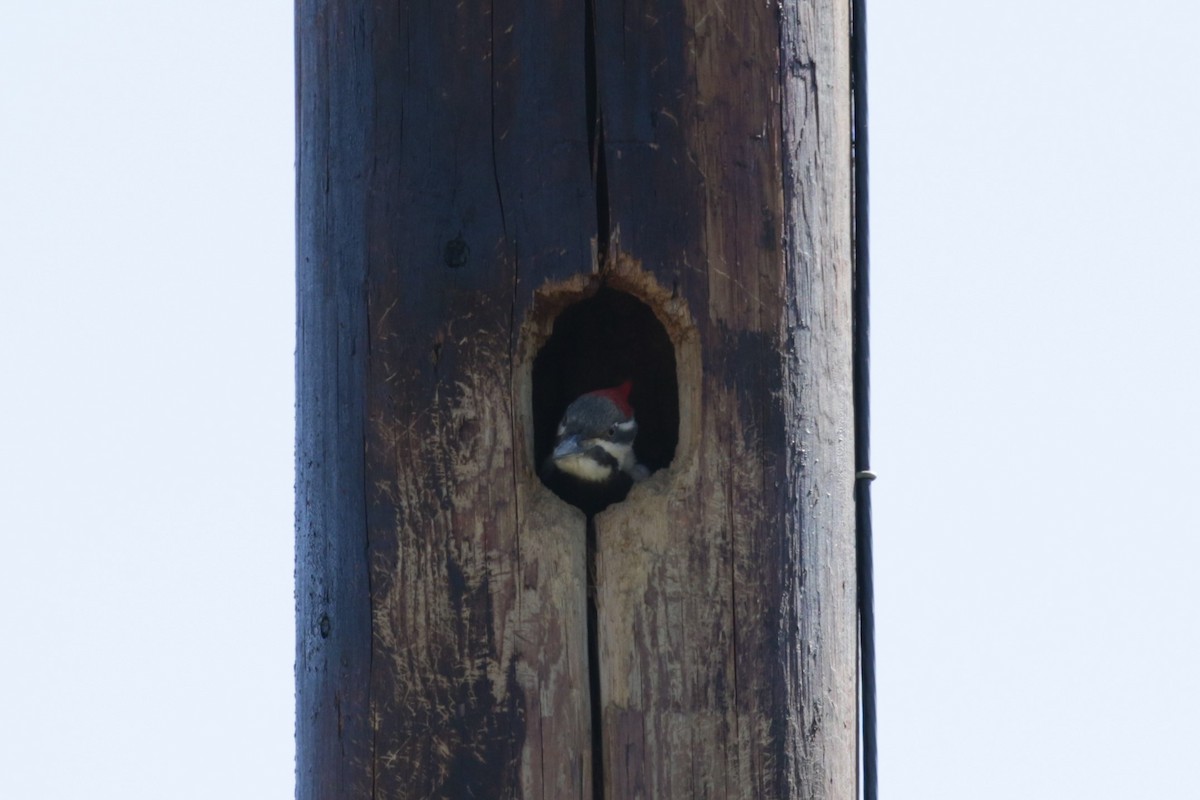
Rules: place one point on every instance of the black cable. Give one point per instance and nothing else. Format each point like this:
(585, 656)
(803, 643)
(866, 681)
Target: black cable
(862, 411)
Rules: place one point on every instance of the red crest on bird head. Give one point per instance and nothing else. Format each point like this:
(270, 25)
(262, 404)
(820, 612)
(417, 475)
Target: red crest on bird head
(619, 395)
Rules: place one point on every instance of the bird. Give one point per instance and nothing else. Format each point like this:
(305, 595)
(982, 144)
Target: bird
(593, 464)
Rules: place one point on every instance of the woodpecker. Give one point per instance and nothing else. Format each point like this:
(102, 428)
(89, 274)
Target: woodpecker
(593, 464)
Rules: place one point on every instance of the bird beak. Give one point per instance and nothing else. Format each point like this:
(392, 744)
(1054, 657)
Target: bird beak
(567, 447)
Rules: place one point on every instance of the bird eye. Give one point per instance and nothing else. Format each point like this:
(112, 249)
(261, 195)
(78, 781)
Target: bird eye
(612, 429)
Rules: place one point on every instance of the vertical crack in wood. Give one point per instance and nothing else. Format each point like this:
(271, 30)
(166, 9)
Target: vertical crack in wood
(364, 363)
(595, 132)
(492, 115)
(513, 325)
(593, 635)
(595, 128)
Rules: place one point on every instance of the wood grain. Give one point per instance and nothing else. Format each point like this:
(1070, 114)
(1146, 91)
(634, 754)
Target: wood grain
(726, 588)
(449, 206)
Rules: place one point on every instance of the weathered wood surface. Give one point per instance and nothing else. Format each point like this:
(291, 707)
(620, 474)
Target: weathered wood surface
(441, 609)
(727, 639)
(333, 601)
(445, 194)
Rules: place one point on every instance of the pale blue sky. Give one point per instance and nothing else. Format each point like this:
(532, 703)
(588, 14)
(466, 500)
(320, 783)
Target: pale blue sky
(1037, 342)
(146, 340)
(1036, 348)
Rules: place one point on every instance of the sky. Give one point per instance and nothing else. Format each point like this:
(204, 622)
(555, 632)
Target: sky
(1034, 173)
(1035, 344)
(146, 348)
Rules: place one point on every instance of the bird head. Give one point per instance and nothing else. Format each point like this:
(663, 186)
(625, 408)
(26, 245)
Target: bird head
(594, 441)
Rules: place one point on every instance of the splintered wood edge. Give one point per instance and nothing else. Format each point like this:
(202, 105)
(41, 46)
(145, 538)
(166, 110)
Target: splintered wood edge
(623, 273)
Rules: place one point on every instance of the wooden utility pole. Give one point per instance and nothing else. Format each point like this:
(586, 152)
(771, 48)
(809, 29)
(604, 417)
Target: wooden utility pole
(501, 205)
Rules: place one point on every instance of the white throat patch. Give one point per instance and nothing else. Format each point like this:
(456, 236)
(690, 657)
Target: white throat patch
(583, 467)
